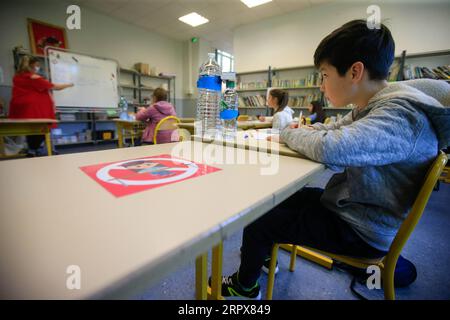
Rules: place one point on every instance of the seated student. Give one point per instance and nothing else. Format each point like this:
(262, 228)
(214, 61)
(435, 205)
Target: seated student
(278, 100)
(317, 114)
(159, 109)
(385, 147)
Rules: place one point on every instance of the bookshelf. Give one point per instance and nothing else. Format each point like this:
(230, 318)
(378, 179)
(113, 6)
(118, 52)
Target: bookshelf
(136, 87)
(302, 83)
(251, 88)
(422, 65)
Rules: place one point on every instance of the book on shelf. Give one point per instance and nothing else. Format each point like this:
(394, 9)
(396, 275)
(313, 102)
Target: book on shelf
(417, 72)
(312, 80)
(303, 101)
(252, 101)
(252, 85)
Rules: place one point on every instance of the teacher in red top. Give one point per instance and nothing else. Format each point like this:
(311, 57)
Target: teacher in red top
(31, 97)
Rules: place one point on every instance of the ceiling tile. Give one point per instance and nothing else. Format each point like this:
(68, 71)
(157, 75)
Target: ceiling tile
(288, 6)
(133, 12)
(161, 16)
(105, 6)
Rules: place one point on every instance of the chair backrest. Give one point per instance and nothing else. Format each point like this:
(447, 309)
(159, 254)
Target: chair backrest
(167, 123)
(416, 212)
(184, 135)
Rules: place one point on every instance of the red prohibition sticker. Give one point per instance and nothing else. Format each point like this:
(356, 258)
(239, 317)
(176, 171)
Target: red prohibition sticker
(131, 176)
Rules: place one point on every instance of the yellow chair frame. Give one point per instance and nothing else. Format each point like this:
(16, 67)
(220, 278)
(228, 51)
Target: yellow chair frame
(136, 131)
(386, 264)
(165, 124)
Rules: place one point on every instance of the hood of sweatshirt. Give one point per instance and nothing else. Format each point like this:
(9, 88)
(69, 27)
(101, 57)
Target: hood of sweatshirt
(427, 95)
(164, 107)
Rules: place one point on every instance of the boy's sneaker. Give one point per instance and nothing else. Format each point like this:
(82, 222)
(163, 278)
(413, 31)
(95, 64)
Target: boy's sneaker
(266, 266)
(232, 289)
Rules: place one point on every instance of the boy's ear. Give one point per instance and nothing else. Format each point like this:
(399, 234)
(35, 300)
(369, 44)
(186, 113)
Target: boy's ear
(357, 71)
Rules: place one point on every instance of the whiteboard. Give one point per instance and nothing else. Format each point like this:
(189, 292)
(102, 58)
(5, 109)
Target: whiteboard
(95, 80)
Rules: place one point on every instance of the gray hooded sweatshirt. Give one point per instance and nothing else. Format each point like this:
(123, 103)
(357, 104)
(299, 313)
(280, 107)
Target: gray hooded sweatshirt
(383, 151)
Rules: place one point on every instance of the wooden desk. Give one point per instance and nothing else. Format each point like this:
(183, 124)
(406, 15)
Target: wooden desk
(253, 124)
(128, 125)
(245, 140)
(26, 127)
(54, 216)
(243, 125)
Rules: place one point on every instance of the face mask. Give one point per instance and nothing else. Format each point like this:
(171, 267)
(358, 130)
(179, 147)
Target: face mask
(37, 69)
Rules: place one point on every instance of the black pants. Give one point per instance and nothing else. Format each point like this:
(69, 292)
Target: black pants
(302, 220)
(34, 142)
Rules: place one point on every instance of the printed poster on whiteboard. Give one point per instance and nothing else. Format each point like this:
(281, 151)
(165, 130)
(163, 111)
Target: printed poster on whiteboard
(131, 176)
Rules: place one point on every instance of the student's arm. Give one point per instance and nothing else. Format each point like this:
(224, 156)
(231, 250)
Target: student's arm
(265, 119)
(146, 114)
(385, 136)
(346, 120)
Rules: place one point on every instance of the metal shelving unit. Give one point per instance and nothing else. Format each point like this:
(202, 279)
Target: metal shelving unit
(263, 77)
(139, 88)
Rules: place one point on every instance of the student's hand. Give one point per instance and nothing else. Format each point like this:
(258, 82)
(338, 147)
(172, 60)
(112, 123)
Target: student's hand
(274, 138)
(295, 126)
(262, 118)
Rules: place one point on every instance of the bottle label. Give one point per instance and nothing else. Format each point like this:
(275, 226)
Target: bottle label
(211, 83)
(228, 114)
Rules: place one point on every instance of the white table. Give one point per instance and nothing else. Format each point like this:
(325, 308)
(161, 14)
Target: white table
(53, 215)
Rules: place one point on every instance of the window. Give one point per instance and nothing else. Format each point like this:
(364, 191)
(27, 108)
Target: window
(225, 60)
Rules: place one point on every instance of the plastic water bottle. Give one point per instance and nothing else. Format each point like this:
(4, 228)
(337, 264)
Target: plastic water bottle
(209, 84)
(229, 111)
(123, 105)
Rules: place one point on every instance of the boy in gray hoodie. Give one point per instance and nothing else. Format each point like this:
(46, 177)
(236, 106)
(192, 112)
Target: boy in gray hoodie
(382, 148)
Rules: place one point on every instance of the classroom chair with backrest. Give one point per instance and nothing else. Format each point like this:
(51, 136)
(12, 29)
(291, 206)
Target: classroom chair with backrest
(386, 264)
(167, 123)
(184, 134)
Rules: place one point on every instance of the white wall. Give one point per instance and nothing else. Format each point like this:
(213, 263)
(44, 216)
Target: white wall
(100, 35)
(290, 40)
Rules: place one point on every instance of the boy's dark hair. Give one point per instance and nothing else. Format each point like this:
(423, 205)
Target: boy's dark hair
(160, 94)
(354, 42)
(282, 98)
